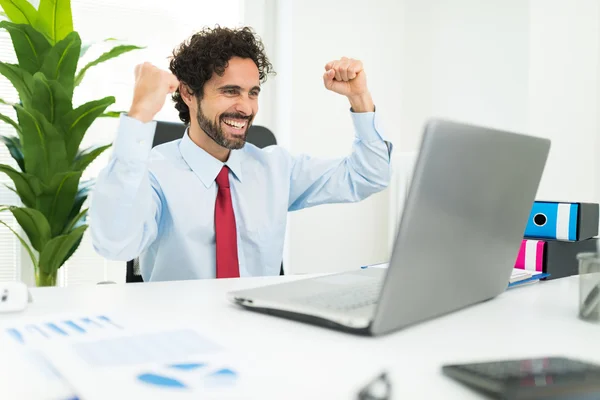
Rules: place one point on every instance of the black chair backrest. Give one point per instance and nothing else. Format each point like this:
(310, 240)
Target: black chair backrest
(167, 131)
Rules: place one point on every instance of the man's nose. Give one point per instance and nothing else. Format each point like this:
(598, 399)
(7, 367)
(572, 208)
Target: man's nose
(244, 106)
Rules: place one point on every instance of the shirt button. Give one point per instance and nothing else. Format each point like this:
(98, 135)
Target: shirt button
(142, 142)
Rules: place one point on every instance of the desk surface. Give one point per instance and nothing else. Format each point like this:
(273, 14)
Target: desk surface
(315, 362)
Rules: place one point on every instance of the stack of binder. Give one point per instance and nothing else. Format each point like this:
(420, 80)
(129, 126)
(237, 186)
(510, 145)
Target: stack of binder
(556, 232)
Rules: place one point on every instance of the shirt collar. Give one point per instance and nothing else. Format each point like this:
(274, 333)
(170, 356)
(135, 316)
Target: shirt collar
(205, 166)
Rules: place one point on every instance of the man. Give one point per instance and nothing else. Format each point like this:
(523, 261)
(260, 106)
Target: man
(211, 205)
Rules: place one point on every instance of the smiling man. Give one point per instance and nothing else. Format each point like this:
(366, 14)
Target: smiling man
(211, 205)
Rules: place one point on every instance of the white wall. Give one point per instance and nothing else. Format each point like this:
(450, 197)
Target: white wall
(529, 66)
(337, 237)
(563, 95)
(466, 60)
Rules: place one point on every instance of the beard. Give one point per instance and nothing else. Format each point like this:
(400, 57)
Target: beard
(215, 132)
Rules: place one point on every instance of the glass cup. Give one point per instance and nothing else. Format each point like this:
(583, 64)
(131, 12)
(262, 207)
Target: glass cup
(589, 286)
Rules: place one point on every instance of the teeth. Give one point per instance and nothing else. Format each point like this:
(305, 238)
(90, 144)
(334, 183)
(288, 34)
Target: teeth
(234, 123)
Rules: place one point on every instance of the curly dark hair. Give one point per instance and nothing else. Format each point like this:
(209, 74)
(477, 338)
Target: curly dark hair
(209, 51)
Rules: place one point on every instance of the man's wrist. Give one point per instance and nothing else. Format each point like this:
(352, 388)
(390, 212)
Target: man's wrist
(139, 115)
(362, 103)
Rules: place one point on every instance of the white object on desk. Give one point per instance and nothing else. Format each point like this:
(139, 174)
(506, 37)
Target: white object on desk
(110, 357)
(14, 297)
(516, 275)
(25, 374)
(307, 361)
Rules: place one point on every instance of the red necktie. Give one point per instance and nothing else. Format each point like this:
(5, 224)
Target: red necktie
(225, 233)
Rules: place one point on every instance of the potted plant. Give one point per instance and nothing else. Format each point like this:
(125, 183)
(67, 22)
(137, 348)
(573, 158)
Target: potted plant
(49, 130)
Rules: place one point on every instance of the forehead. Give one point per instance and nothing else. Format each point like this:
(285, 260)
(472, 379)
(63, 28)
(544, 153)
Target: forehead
(240, 72)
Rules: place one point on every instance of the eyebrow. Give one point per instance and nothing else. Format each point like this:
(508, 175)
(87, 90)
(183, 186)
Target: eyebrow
(236, 87)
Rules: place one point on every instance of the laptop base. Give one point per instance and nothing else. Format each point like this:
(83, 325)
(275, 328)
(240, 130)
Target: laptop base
(309, 319)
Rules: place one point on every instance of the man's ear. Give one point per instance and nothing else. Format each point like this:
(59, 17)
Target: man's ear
(187, 97)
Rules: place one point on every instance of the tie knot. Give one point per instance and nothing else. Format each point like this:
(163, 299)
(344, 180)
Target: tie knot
(223, 177)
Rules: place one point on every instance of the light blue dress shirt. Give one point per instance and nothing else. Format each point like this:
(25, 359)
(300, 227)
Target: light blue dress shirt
(159, 203)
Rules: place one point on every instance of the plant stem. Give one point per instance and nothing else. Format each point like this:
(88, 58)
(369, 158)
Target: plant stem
(45, 279)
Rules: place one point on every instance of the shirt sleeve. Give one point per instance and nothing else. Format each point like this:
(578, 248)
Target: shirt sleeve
(367, 170)
(126, 202)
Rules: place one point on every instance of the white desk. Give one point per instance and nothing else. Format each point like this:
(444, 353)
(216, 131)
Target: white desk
(318, 363)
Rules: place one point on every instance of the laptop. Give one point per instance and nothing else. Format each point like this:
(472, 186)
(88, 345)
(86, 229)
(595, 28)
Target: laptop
(470, 197)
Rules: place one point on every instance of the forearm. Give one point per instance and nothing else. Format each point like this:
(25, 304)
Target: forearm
(125, 206)
(362, 103)
(366, 170)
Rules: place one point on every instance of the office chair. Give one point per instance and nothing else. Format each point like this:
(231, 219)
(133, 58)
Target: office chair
(168, 131)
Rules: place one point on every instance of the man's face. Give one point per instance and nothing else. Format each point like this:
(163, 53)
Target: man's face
(230, 103)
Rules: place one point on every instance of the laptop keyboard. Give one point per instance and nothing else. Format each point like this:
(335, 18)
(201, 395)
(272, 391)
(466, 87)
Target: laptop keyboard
(347, 299)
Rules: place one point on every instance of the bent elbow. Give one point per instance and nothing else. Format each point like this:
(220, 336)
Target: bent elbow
(378, 178)
(114, 247)
(384, 178)
(113, 251)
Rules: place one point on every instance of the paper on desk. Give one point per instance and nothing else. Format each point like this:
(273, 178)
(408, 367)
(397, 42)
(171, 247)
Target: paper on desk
(23, 362)
(516, 274)
(382, 265)
(519, 274)
(26, 374)
(34, 331)
(163, 365)
(104, 357)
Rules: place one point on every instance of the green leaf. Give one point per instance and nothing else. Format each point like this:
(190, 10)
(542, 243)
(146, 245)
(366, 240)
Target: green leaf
(6, 185)
(30, 45)
(33, 144)
(20, 79)
(66, 189)
(73, 249)
(85, 157)
(57, 200)
(77, 122)
(82, 194)
(112, 53)
(10, 121)
(2, 101)
(42, 144)
(24, 243)
(24, 184)
(55, 19)
(57, 250)
(50, 98)
(113, 114)
(13, 144)
(76, 221)
(34, 224)
(61, 61)
(19, 11)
